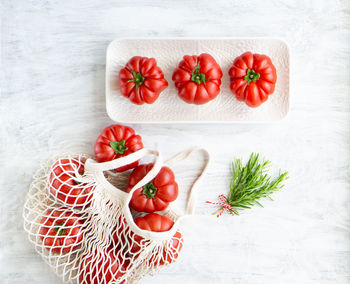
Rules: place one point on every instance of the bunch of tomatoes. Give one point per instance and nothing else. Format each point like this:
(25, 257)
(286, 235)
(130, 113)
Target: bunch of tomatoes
(198, 79)
(61, 230)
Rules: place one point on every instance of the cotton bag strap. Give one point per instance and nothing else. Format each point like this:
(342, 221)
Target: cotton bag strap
(191, 202)
(119, 162)
(193, 192)
(98, 168)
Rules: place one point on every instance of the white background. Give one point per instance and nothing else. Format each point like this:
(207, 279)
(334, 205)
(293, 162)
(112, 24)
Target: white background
(52, 101)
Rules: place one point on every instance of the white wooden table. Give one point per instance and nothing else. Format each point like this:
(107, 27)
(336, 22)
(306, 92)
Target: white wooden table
(52, 100)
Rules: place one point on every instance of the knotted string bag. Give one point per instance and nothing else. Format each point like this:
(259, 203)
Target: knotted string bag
(80, 222)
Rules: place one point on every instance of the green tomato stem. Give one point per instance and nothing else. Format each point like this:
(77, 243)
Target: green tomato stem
(118, 147)
(197, 76)
(149, 190)
(138, 78)
(251, 76)
(59, 229)
(76, 181)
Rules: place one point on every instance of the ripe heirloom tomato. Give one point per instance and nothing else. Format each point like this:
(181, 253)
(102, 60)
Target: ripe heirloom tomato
(158, 223)
(253, 78)
(141, 80)
(120, 232)
(155, 195)
(117, 141)
(61, 231)
(102, 268)
(65, 183)
(198, 79)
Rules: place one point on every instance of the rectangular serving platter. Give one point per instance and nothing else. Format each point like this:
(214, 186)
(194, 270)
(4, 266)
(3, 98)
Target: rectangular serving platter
(169, 107)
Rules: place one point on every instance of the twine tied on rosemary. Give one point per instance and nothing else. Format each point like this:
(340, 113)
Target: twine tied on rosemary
(249, 184)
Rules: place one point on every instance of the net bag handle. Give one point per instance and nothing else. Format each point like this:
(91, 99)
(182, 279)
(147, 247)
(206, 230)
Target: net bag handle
(94, 166)
(99, 168)
(193, 191)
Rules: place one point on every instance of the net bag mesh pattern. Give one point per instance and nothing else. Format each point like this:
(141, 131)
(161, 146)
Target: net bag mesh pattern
(80, 222)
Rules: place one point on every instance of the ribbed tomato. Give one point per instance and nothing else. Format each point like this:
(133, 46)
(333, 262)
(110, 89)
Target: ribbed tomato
(102, 268)
(155, 195)
(61, 231)
(65, 182)
(158, 223)
(120, 232)
(198, 79)
(253, 78)
(117, 141)
(141, 80)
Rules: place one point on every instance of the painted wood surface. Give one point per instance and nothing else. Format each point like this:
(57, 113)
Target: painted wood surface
(52, 101)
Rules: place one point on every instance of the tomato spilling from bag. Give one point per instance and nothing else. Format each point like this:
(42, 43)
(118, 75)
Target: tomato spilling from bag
(61, 231)
(198, 79)
(159, 223)
(101, 268)
(155, 195)
(66, 182)
(141, 80)
(117, 141)
(253, 78)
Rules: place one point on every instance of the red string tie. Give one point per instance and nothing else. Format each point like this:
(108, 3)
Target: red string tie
(224, 206)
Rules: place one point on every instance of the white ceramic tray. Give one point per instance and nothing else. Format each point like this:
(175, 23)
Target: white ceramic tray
(169, 107)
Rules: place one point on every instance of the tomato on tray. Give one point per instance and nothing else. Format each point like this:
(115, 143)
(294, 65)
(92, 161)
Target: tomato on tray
(198, 79)
(61, 231)
(155, 195)
(117, 141)
(253, 78)
(101, 268)
(66, 183)
(141, 80)
(158, 223)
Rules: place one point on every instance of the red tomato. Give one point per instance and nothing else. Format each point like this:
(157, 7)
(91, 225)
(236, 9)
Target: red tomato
(198, 79)
(141, 80)
(65, 184)
(61, 231)
(101, 268)
(117, 141)
(158, 223)
(155, 195)
(253, 78)
(119, 233)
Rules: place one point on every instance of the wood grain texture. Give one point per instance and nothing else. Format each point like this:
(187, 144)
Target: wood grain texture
(52, 101)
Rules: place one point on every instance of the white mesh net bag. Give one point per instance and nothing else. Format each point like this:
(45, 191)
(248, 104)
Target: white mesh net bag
(81, 224)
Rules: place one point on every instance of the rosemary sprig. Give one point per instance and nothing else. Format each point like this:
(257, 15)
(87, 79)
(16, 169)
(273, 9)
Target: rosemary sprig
(249, 184)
